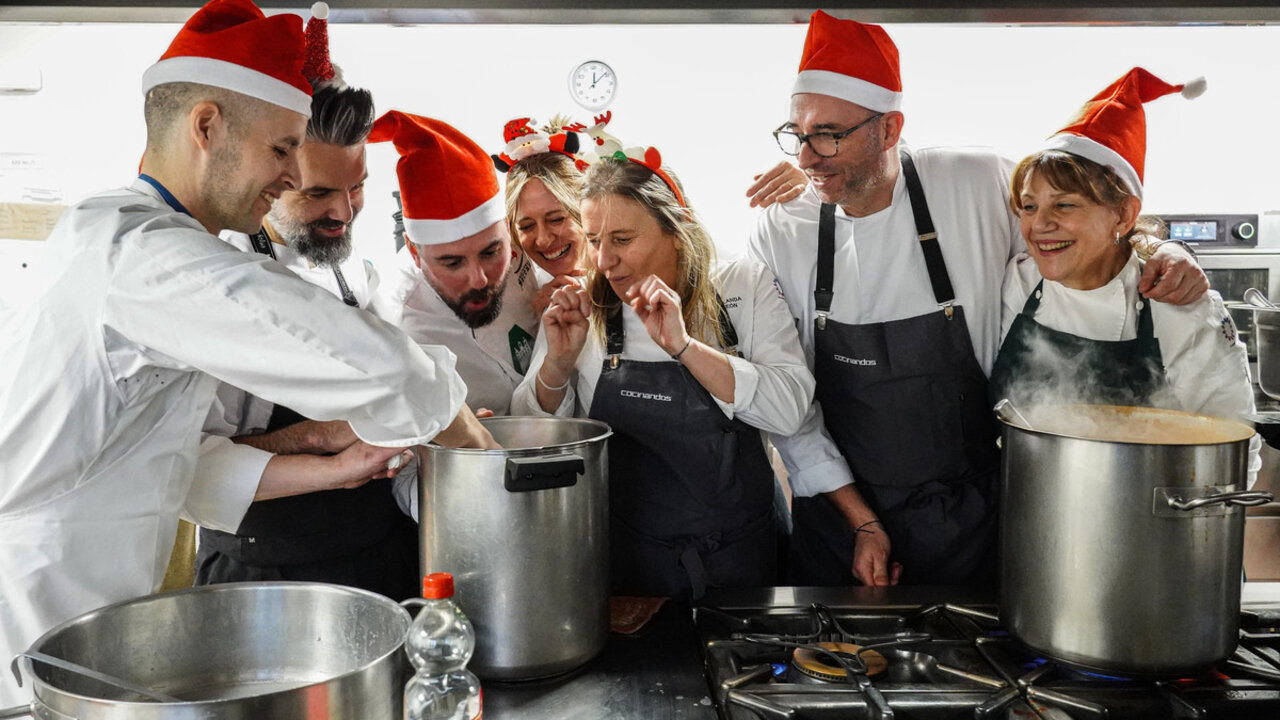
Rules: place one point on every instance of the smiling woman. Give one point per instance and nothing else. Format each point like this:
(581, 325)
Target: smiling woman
(687, 362)
(1076, 327)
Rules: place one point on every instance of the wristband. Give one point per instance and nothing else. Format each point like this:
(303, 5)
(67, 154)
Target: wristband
(860, 529)
(686, 347)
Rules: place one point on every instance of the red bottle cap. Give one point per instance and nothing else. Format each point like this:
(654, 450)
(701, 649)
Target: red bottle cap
(437, 585)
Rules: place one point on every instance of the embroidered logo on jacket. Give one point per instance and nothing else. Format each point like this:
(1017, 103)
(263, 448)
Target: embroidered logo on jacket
(521, 348)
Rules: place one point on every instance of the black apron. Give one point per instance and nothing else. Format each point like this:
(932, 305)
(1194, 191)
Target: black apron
(1119, 372)
(906, 403)
(358, 538)
(690, 490)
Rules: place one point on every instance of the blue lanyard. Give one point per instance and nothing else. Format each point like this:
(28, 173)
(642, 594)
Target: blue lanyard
(164, 193)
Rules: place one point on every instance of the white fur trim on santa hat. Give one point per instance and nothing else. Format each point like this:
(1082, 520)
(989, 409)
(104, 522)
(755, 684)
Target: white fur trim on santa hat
(1195, 88)
(320, 11)
(1090, 149)
(851, 89)
(229, 76)
(439, 232)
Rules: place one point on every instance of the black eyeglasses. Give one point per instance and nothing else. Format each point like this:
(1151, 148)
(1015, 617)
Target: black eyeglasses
(823, 144)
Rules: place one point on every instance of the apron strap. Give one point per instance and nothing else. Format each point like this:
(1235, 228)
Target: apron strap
(823, 290)
(1032, 304)
(615, 336)
(933, 260)
(1146, 326)
(348, 297)
(263, 246)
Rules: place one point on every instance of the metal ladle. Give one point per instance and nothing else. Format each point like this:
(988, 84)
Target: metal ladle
(1006, 411)
(97, 675)
(1254, 297)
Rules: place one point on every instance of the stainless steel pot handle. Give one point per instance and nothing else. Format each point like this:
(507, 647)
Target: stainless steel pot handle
(21, 711)
(1246, 498)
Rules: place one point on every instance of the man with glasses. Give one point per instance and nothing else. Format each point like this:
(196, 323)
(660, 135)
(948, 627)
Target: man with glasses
(892, 264)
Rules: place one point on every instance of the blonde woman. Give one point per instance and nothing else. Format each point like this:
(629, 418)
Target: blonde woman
(687, 362)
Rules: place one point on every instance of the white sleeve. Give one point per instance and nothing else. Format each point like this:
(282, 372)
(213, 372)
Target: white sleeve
(225, 481)
(524, 401)
(773, 387)
(1013, 294)
(814, 463)
(1206, 364)
(250, 322)
(404, 488)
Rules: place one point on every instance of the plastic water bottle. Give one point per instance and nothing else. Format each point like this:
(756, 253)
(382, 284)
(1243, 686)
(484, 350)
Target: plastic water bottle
(439, 645)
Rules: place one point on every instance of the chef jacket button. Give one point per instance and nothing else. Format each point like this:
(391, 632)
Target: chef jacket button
(1138, 305)
(1038, 294)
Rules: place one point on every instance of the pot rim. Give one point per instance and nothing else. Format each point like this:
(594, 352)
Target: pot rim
(605, 433)
(38, 682)
(1227, 425)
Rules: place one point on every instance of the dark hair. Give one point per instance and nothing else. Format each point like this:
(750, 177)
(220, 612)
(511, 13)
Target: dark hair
(340, 115)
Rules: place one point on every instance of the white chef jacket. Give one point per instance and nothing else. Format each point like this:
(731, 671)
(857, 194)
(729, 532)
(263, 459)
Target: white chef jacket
(772, 386)
(491, 359)
(227, 474)
(107, 377)
(880, 273)
(1205, 363)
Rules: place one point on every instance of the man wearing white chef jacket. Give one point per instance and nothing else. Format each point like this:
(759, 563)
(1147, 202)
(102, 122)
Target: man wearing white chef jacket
(460, 283)
(108, 375)
(354, 536)
(892, 263)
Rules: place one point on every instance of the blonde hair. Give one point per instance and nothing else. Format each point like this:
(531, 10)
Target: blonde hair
(695, 251)
(561, 178)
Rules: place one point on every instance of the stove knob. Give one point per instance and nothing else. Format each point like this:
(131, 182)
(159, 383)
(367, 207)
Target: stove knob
(1244, 230)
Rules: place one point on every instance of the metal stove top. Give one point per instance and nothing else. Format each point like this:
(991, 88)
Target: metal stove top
(945, 661)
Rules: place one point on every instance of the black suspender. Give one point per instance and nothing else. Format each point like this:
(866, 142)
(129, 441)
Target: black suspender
(938, 277)
(262, 245)
(824, 285)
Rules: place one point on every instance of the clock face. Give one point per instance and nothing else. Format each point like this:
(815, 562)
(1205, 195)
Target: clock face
(593, 85)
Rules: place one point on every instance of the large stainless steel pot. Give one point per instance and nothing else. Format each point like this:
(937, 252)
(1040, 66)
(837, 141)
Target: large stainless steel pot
(240, 651)
(1122, 535)
(1266, 323)
(525, 532)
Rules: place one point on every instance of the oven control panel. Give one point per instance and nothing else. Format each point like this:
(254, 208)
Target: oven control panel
(1206, 231)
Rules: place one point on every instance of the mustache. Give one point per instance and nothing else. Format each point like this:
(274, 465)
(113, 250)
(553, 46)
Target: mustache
(328, 224)
(477, 295)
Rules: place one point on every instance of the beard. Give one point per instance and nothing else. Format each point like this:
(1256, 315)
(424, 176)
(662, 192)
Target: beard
(305, 239)
(478, 318)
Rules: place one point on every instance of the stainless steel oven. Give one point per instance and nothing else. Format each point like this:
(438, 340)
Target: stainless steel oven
(1238, 252)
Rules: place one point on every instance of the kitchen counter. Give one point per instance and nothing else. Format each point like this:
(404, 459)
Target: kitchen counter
(655, 673)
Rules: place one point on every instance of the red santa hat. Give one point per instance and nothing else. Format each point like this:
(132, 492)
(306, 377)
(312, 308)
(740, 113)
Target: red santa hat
(1111, 129)
(851, 61)
(230, 44)
(317, 68)
(447, 182)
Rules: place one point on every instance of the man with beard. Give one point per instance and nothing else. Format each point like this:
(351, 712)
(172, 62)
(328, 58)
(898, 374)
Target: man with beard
(461, 283)
(351, 532)
(892, 264)
(107, 375)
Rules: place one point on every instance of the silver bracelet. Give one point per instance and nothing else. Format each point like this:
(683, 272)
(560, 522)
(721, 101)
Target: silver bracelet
(537, 377)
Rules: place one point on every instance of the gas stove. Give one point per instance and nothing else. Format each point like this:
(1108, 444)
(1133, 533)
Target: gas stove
(810, 654)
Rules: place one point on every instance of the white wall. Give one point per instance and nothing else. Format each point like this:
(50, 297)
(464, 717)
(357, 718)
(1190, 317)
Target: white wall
(706, 95)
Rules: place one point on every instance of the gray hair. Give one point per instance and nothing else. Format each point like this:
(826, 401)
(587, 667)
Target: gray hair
(340, 115)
